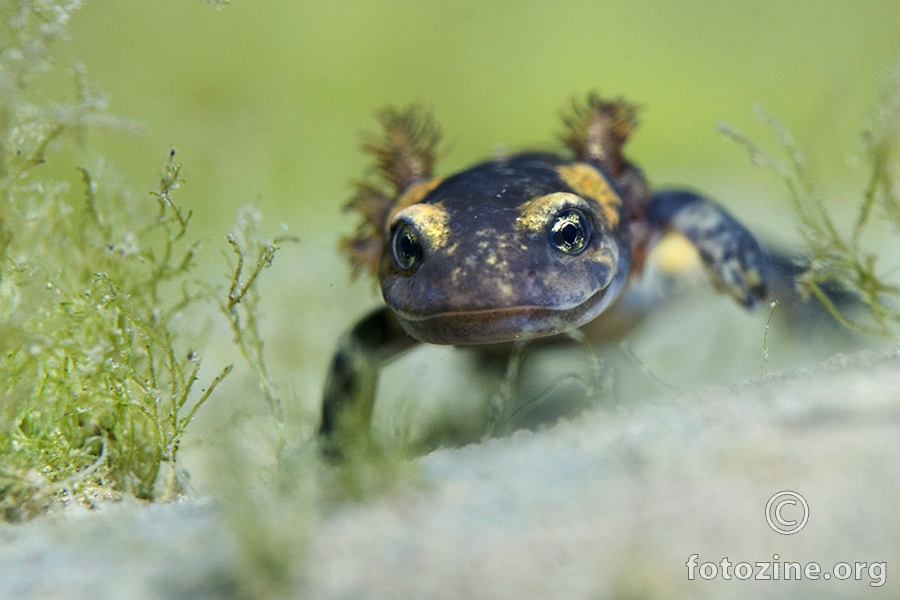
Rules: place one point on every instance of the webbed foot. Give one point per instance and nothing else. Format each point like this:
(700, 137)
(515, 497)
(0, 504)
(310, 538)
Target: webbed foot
(733, 257)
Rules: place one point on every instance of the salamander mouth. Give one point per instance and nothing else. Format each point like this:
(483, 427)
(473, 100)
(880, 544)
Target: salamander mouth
(497, 325)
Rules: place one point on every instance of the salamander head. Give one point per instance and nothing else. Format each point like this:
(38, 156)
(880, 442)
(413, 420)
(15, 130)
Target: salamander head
(517, 248)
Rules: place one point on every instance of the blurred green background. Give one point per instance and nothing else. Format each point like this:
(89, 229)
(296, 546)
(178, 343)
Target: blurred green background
(265, 101)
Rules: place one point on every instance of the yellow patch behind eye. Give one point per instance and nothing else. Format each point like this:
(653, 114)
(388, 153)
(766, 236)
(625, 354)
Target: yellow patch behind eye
(431, 222)
(589, 183)
(535, 214)
(413, 195)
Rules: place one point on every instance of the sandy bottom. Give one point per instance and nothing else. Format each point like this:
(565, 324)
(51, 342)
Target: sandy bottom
(611, 504)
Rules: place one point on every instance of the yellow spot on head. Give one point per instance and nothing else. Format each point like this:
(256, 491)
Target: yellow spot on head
(590, 183)
(413, 195)
(430, 222)
(535, 214)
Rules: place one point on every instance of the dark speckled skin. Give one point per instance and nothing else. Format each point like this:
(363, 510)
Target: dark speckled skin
(494, 279)
(486, 269)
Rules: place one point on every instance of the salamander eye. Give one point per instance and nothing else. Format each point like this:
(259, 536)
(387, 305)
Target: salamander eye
(570, 232)
(405, 247)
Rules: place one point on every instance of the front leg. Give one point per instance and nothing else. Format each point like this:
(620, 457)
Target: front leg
(732, 256)
(353, 378)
